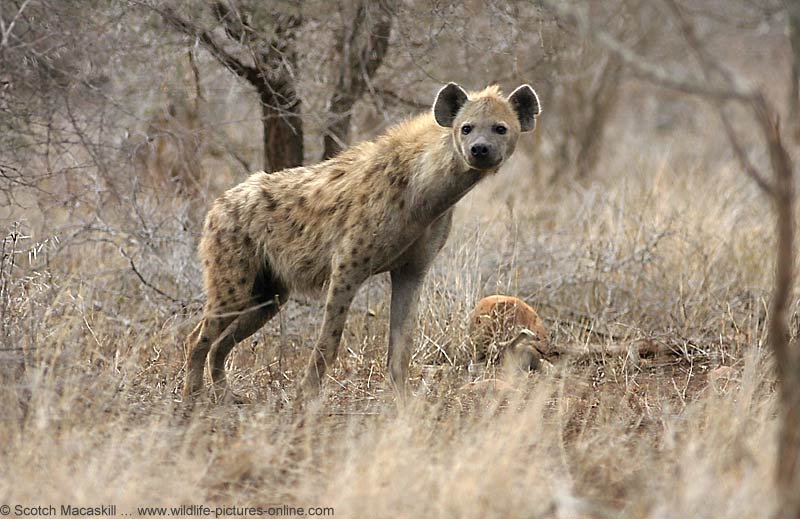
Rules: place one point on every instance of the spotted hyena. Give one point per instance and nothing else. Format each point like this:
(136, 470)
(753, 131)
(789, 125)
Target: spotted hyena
(381, 206)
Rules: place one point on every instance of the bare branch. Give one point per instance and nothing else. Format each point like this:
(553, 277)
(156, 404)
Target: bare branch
(360, 62)
(272, 75)
(708, 65)
(741, 155)
(6, 29)
(186, 27)
(669, 78)
(385, 93)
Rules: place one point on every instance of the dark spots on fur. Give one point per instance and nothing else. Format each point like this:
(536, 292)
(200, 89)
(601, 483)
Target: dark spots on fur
(348, 287)
(396, 173)
(207, 263)
(296, 227)
(402, 204)
(394, 164)
(337, 173)
(342, 309)
(247, 240)
(336, 333)
(231, 290)
(218, 261)
(341, 204)
(232, 207)
(204, 340)
(242, 281)
(363, 198)
(269, 200)
(301, 201)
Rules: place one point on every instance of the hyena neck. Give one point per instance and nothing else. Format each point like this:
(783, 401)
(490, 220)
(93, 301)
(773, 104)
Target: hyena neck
(441, 179)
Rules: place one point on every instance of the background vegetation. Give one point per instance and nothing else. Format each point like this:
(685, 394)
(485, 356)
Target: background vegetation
(631, 220)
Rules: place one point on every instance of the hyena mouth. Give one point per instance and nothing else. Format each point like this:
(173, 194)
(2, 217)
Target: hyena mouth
(484, 163)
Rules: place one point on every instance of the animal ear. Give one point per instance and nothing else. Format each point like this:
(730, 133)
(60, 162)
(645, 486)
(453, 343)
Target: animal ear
(448, 102)
(525, 102)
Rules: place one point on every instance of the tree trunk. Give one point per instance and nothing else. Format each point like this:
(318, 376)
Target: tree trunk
(602, 102)
(793, 10)
(787, 359)
(338, 131)
(283, 133)
(274, 62)
(361, 50)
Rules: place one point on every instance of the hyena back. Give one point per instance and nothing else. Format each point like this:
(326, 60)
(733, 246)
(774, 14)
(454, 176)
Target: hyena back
(381, 206)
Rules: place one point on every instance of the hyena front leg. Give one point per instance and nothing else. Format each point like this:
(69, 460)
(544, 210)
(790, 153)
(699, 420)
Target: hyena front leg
(406, 285)
(344, 284)
(408, 276)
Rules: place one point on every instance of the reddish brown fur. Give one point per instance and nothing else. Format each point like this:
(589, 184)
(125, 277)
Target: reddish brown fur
(497, 320)
(379, 206)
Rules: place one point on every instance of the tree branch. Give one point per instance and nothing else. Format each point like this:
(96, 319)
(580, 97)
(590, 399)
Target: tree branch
(708, 65)
(149, 285)
(360, 61)
(227, 59)
(669, 78)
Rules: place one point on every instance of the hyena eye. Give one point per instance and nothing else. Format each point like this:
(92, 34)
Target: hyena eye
(500, 129)
(466, 129)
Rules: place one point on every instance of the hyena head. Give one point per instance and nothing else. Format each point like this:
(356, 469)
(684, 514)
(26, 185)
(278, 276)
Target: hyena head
(486, 125)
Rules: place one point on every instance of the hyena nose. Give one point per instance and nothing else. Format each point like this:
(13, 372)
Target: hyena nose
(479, 150)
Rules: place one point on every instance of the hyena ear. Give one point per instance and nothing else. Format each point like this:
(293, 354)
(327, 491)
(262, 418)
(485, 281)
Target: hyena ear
(448, 102)
(525, 102)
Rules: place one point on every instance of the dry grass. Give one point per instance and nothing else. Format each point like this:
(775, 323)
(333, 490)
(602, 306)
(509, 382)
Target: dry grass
(92, 362)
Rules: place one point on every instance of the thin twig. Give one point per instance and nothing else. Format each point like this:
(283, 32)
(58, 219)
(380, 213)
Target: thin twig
(146, 283)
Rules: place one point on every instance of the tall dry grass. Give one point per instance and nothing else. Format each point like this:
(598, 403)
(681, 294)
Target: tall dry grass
(658, 255)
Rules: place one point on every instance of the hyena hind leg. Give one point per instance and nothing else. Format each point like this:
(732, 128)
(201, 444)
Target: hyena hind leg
(240, 329)
(198, 346)
(253, 300)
